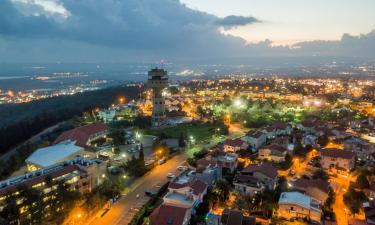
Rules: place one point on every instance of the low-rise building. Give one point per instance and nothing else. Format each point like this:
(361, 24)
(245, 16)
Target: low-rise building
(78, 174)
(235, 217)
(48, 156)
(247, 185)
(227, 161)
(85, 135)
(336, 160)
(168, 214)
(255, 139)
(294, 205)
(360, 147)
(317, 188)
(265, 173)
(234, 145)
(188, 194)
(272, 152)
(107, 115)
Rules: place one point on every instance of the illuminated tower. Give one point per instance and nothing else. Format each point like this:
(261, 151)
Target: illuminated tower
(157, 81)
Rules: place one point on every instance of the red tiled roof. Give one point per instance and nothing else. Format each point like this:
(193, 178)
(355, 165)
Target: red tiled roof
(254, 134)
(81, 134)
(357, 222)
(235, 142)
(337, 153)
(275, 147)
(264, 168)
(317, 183)
(168, 214)
(197, 186)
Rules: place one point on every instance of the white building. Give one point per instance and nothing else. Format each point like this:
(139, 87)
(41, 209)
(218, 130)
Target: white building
(293, 205)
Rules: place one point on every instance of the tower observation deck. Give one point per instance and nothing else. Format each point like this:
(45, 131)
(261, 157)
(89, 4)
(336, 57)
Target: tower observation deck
(157, 81)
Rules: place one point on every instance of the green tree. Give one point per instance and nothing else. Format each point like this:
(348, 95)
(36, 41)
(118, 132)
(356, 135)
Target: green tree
(362, 181)
(181, 141)
(354, 199)
(320, 174)
(222, 189)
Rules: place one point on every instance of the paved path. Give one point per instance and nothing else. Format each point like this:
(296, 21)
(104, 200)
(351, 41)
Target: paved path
(123, 210)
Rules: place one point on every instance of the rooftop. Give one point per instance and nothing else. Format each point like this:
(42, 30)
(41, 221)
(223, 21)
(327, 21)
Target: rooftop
(298, 199)
(81, 134)
(167, 214)
(50, 155)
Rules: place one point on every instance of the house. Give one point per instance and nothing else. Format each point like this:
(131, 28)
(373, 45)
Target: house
(360, 147)
(294, 205)
(318, 189)
(247, 184)
(48, 156)
(107, 116)
(209, 174)
(255, 139)
(369, 209)
(186, 194)
(224, 160)
(168, 214)
(282, 141)
(234, 145)
(235, 217)
(336, 160)
(265, 173)
(85, 135)
(282, 128)
(272, 152)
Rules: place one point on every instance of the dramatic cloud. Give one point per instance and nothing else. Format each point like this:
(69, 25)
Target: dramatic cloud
(235, 21)
(131, 30)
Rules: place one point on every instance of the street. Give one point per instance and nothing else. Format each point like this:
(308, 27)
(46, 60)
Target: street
(125, 208)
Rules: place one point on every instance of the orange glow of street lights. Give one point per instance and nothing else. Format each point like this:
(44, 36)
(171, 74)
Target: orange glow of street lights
(121, 100)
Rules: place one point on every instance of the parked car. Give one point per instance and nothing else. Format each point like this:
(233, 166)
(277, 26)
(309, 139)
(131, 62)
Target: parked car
(182, 168)
(171, 175)
(162, 161)
(150, 193)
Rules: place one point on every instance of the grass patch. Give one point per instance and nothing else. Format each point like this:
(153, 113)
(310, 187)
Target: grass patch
(199, 131)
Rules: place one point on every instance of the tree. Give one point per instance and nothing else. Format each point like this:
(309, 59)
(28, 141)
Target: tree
(320, 174)
(141, 154)
(181, 141)
(362, 181)
(354, 199)
(222, 189)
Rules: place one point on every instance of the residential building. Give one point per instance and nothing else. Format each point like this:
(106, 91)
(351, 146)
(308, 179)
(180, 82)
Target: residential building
(234, 145)
(227, 161)
(265, 173)
(360, 147)
(169, 214)
(317, 188)
(79, 174)
(336, 160)
(235, 217)
(369, 209)
(272, 152)
(107, 115)
(255, 139)
(209, 174)
(187, 194)
(294, 205)
(247, 184)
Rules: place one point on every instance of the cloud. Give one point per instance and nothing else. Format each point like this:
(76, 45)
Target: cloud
(232, 21)
(131, 30)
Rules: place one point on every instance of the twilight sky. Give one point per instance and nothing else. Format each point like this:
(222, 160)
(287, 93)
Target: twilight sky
(292, 21)
(150, 30)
